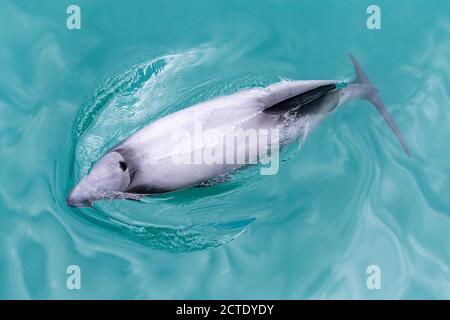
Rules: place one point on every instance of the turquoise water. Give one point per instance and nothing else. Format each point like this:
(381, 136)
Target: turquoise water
(348, 199)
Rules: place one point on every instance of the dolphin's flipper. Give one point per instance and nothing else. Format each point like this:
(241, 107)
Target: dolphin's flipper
(294, 103)
(367, 91)
(122, 195)
(134, 196)
(213, 181)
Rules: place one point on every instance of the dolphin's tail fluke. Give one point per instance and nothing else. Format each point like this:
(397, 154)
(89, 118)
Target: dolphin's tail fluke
(366, 90)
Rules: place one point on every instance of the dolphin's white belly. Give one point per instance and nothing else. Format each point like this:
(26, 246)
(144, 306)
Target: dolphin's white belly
(154, 148)
(160, 147)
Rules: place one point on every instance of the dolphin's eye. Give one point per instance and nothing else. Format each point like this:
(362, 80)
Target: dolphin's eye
(123, 165)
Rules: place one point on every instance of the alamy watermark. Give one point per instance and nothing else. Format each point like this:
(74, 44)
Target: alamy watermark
(374, 20)
(232, 146)
(73, 21)
(73, 281)
(374, 279)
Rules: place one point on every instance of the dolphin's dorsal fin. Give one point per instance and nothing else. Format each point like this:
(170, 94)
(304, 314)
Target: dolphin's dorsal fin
(297, 101)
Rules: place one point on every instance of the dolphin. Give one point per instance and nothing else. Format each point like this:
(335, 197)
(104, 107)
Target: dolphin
(143, 164)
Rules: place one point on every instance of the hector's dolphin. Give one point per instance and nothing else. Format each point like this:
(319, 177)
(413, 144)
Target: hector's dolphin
(143, 163)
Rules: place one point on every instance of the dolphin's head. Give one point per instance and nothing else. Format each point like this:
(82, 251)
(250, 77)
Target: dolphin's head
(110, 175)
